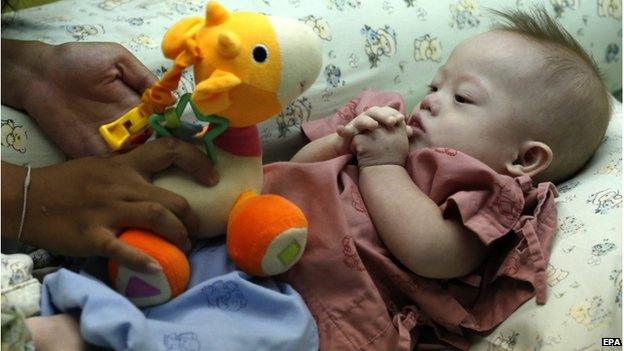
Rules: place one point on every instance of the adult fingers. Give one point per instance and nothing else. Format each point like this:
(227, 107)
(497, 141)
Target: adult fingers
(109, 246)
(134, 73)
(154, 217)
(171, 201)
(385, 115)
(94, 145)
(159, 155)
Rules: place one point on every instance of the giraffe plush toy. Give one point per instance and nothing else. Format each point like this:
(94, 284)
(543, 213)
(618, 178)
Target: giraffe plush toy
(247, 68)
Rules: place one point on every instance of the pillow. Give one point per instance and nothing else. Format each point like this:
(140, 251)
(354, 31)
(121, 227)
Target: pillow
(23, 142)
(584, 273)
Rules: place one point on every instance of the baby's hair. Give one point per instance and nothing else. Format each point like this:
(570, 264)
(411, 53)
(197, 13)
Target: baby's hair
(577, 108)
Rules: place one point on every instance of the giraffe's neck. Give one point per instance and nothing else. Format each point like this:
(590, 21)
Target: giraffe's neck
(240, 141)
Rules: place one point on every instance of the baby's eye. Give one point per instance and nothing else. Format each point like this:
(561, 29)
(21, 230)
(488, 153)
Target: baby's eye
(432, 88)
(462, 100)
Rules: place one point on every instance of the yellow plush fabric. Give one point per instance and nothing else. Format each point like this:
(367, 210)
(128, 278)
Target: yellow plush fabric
(230, 81)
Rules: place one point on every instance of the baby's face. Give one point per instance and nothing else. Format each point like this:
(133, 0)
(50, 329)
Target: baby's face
(476, 100)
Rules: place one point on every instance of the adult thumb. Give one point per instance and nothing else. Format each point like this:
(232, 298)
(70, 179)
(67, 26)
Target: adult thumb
(134, 73)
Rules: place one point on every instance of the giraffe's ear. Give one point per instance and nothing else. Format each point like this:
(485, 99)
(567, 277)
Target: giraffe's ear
(216, 14)
(177, 37)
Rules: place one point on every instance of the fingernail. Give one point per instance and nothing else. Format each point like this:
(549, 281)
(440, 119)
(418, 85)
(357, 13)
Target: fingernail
(214, 178)
(211, 178)
(154, 267)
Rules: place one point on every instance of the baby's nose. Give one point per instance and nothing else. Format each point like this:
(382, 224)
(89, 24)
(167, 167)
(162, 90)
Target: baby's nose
(430, 103)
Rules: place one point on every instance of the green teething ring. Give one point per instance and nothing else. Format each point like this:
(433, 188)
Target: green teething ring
(171, 117)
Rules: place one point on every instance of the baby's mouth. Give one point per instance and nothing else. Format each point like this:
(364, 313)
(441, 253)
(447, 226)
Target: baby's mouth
(415, 122)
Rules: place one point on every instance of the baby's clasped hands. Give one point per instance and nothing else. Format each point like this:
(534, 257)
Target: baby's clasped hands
(374, 145)
(369, 120)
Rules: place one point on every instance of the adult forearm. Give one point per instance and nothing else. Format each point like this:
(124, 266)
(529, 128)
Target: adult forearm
(413, 228)
(22, 64)
(12, 198)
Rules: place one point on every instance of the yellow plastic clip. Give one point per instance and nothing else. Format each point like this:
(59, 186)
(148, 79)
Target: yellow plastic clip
(120, 130)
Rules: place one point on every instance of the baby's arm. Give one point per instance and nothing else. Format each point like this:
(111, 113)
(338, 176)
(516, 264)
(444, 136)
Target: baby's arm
(321, 149)
(339, 143)
(412, 227)
(57, 332)
(410, 224)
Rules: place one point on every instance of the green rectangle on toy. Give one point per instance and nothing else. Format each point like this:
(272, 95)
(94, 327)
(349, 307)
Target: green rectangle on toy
(289, 253)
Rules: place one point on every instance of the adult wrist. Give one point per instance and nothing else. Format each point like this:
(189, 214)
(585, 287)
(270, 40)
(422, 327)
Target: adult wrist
(24, 63)
(13, 177)
(24, 202)
(36, 216)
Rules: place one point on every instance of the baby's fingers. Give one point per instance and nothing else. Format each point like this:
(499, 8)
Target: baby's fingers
(358, 125)
(408, 129)
(345, 132)
(387, 116)
(363, 123)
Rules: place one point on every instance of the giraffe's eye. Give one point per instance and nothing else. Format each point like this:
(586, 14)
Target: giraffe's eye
(260, 53)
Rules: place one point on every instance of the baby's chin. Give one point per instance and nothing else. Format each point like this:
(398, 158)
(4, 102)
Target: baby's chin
(416, 143)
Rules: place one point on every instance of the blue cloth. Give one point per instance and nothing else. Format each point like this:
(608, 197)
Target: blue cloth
(223, 309)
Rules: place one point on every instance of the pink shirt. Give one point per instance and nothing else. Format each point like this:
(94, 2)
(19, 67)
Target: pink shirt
(363, 298)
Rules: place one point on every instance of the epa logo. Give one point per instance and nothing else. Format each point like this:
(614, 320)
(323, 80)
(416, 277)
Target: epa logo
(611, 342)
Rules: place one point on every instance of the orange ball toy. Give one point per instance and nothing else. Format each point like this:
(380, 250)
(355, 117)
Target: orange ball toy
(266, 234)
(151, 289)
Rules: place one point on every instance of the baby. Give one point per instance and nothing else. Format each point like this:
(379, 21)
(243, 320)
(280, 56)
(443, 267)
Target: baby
(449, 190)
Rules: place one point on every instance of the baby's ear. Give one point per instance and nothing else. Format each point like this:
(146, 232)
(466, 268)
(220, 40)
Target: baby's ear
(533, 158)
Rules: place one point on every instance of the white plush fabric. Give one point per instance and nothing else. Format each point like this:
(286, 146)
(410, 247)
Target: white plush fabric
(398, 45)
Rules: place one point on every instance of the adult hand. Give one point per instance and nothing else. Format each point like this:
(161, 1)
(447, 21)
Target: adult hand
(76, 208)
(73, 88)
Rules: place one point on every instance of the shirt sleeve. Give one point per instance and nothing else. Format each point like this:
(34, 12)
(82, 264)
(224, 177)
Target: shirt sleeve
(517, 269)
(514, 218)
(535, 229)
(487, 203)
(366, 99)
